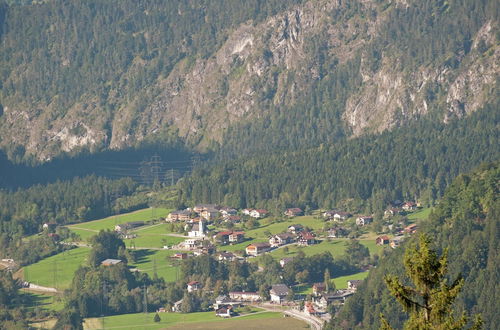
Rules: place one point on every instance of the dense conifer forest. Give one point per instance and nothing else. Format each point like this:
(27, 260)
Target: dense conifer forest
(416, 161)
(466, 222)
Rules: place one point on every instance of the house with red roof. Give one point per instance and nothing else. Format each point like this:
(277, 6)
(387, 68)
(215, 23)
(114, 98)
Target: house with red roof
(259, 213)
(257, 248)
(306, 238)
(294, 212)
(193, 286)
(382, 240)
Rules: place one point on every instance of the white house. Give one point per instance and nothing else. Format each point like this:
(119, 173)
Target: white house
(244, 296)
(278, 293)
(341, 216)
(364, 220)
(193, 286)
(259, 213)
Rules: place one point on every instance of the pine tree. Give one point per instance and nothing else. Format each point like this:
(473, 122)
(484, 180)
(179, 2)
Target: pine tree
(327, 280)
(430, 299)
(157, 318)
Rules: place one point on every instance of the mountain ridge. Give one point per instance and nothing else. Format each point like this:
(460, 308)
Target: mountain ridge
(331, 66)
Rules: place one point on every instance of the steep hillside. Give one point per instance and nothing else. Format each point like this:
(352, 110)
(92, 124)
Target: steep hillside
(413, 162)
(110, 74)
(466, 222)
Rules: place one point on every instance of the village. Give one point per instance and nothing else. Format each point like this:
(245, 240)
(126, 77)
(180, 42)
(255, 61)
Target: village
(223, 232)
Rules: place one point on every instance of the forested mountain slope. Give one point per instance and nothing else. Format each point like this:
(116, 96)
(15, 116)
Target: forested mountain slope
(109, 74)
(466, 222)
(413, 162)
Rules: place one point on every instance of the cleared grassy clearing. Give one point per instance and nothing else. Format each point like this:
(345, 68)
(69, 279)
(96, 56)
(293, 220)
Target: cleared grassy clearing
(341, 282)
(420, 214)
(84, 234)
(112, 221)
(269, 322)
(159, 229)
(152, 240)
(56, 271)
(151, 260)
(181, 321)
(43, 301)
(335, 246)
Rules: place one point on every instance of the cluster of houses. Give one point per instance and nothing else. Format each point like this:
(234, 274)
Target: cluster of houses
(210, 212)
(197, 218)
(396, 241)
(295, 234)
(323, 298)
(224, 305)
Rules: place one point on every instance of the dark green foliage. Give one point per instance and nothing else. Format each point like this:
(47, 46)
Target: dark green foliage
(429, 299)
(356, 254)
(115, 290)
(157, 318)
(105, 245)
(11, 315)
(465, 222)
(417, 160)
(69, 319)
(25, 211)
(75, 49)
(8, 289)
(63, 202)
(313, 269)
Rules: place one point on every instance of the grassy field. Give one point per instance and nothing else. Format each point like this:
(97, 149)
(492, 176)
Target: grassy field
(148, 260)
(180, 321)
(341, 282)
(270, 321)
(84, 234)
(336, 247)
(111, 222)
(152, 240)
(56, 271)
(420, 214)
(44, 301)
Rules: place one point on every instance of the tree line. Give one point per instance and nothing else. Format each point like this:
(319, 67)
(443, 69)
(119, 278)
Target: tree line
(414, 162)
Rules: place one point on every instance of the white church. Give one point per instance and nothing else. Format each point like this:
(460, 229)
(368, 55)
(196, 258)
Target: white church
(198, 230)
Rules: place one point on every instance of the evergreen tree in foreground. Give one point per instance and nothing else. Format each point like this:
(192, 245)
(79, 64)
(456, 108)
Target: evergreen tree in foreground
(430, 300)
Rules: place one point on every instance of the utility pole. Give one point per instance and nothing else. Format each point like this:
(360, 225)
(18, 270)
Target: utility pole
(156, 165)
(55, 277)
(195, 160)
(103, 302)
(155, 274)
(145, 299)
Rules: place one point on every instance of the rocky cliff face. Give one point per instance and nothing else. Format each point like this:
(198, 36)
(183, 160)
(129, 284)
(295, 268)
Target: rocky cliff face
(389, 96)
(258, 68)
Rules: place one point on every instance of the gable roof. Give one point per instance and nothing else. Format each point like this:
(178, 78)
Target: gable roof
(260, 245)
(110, 262)
(279, 289)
